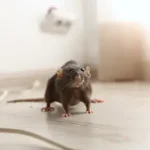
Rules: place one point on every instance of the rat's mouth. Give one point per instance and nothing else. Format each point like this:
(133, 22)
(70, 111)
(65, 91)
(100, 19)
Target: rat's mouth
(78, 84)
(77, 81)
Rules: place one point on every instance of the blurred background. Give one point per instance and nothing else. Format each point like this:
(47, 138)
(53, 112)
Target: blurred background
(112, 36)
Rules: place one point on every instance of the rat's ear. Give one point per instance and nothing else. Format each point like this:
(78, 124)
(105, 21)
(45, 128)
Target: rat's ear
(60, 73)
(88, 70)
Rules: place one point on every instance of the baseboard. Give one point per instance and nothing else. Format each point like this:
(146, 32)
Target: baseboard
(25, 78)
(146, 71)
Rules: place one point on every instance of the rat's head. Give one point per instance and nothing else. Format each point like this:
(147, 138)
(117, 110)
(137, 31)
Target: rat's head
(74, 76)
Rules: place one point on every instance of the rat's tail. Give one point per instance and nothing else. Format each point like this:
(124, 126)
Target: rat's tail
(26, 100)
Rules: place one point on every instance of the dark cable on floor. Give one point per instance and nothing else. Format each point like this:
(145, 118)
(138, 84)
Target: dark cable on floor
(36, 136)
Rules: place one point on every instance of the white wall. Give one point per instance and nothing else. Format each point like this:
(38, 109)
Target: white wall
(91, 35)
(24, 47)
(123, 10)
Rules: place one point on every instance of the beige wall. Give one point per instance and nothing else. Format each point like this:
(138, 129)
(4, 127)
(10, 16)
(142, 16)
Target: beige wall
(120, 37)
(121, 51)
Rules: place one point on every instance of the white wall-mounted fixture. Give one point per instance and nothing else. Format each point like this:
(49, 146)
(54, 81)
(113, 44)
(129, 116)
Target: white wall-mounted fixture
(57, 21)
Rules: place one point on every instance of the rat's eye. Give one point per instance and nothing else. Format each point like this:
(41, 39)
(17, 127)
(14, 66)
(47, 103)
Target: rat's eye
(70, 70)
(82, 69)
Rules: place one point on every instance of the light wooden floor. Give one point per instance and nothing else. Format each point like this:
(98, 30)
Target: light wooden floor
(122, 122)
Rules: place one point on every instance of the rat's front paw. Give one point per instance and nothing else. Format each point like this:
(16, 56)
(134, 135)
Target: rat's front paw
(89, 111)
(66, 115)
(45, 109)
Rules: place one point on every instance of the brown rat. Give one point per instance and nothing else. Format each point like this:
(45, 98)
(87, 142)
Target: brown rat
(69, 86)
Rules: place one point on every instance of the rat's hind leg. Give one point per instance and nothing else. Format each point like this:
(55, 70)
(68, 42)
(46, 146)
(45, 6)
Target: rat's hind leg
(48, 105)
(47, 108)
(49, 95)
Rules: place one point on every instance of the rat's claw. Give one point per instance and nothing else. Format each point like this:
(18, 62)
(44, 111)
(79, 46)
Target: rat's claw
(97, 101)
(89, 112)
(45, 109)
(66, 115)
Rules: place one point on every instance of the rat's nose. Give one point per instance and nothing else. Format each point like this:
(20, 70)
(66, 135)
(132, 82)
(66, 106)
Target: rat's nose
(78, 78)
